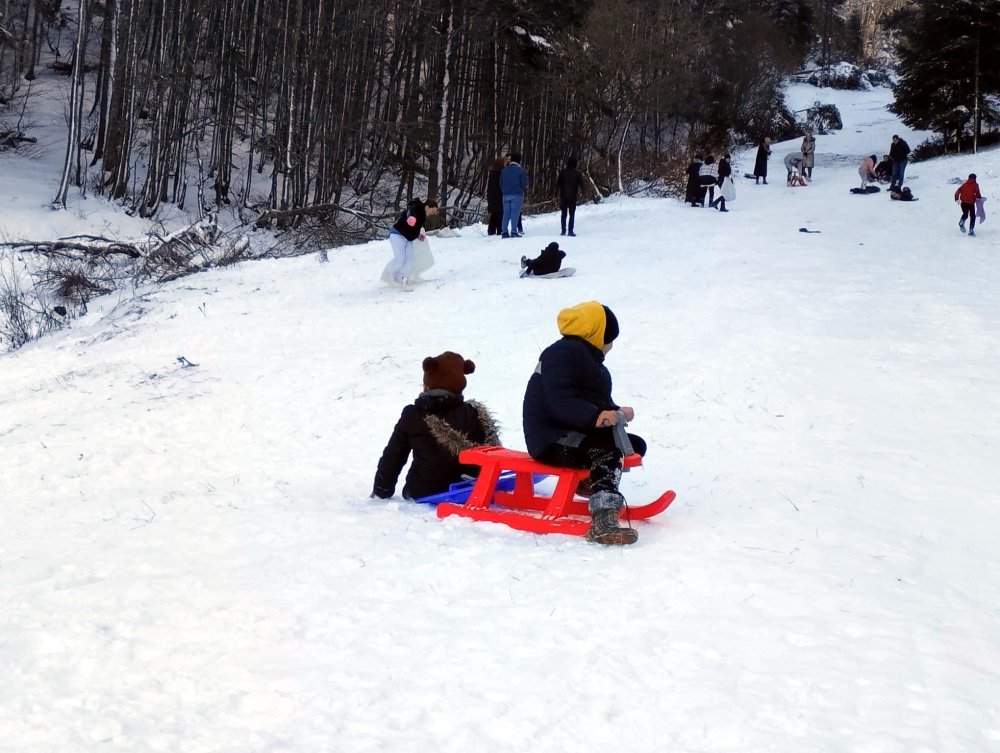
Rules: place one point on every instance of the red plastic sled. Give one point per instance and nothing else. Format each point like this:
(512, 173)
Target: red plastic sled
(525, 510)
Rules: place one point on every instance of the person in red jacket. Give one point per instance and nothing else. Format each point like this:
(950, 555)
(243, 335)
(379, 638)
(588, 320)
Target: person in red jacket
(966, 194)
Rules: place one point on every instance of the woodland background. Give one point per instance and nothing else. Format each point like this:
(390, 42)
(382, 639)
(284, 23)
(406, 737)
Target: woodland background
(283, 110)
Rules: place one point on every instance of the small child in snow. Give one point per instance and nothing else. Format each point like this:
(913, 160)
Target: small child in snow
(900, 194)
(568, 413)
(436, 427)
(966, 195)
(549, 260)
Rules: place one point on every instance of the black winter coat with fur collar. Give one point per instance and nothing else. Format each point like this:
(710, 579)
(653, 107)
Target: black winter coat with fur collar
(438, 426)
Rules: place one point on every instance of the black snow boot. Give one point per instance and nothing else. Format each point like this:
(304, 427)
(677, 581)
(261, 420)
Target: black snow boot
(604, 529)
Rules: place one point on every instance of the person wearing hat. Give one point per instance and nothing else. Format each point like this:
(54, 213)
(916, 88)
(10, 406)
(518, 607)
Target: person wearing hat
(967, 194)
(568, 413)
(546, 263)
(435, 428)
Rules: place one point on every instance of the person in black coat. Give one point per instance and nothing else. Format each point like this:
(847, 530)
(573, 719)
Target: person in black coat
(725, 171)
(760, 165)
(436, 427)
(569, 184)
(494, 196)
(693, 192)
(568, 413)
(899, 153)
(547, 262)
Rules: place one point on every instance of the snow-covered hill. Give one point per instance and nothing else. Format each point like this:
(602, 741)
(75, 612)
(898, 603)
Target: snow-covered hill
(189, 560)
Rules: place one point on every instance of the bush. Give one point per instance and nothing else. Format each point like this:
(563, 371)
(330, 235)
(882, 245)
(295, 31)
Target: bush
(938, 147)
(822, 119)
(24, 314)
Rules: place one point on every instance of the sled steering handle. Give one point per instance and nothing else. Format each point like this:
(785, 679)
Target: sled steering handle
(622, 442)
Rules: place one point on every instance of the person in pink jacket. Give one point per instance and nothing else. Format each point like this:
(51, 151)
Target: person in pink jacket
(966, 195)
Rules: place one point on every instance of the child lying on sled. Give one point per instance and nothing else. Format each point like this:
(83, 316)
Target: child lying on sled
(436, 427)
(548, 261)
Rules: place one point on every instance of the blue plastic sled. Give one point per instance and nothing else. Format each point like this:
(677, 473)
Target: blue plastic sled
(460, 490)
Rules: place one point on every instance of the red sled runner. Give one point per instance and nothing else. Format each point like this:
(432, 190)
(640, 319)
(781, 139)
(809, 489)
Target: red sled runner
(520, 507)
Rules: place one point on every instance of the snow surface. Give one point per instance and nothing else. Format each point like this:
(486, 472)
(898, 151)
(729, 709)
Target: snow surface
(190, 562)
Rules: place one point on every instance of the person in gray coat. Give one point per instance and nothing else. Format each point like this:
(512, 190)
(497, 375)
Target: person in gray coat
(793, 164)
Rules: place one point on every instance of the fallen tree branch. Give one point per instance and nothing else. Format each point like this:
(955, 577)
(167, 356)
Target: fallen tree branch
(272, 215)
(99, 247)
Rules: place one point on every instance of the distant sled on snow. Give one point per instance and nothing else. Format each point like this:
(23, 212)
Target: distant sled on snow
(565, 272)
(869, 189)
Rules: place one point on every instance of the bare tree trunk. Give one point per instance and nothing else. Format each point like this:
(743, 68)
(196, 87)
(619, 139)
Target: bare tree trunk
(75, 109)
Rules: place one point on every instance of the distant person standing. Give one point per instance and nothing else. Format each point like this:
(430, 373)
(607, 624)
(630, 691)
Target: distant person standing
(899, 152)
(808, 150)
(760, 166)
(494, 196)
(569, 184)
(967, 194)
(708, 176)
(513, 185)
(725, 184)
(693, 190)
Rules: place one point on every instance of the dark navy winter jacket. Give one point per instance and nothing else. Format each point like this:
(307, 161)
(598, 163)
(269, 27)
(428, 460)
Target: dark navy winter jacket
(569, 184)
(570, 387)
(513, 180)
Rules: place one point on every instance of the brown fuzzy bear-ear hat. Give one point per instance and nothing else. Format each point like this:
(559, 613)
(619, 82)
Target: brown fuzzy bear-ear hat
(447, 372)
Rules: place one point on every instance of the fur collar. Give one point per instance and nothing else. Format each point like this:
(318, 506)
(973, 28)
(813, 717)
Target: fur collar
(454, 441)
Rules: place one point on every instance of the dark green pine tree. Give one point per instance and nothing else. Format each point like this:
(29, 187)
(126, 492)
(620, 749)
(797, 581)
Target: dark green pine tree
(948, 71)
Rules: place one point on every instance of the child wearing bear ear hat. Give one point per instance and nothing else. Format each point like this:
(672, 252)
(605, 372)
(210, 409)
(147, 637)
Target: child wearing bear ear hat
(436, 427)
(568, 413)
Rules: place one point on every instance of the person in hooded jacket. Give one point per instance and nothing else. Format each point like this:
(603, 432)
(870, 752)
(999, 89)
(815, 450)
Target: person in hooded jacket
(569, 184)
(966, 194)
(408, 228)
(568, 413)
(547, 262)
(435, 428)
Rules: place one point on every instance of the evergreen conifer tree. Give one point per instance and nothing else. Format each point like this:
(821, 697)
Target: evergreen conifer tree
(948, 71)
